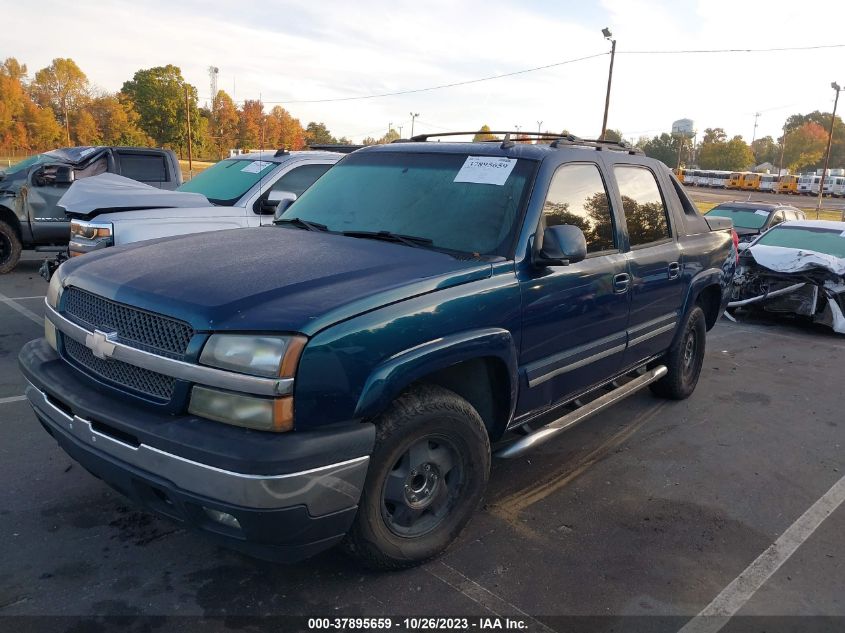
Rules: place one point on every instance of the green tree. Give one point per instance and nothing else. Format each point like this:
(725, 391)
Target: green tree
(613, 135)
(318, 133)
(159, 97)
(63, 87)
(717, 153)
(389, 137)
(483, 134)
(805, 147)
(765, 150)
(664, 148)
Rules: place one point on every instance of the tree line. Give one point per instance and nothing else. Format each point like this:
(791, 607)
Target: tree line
(59, 106)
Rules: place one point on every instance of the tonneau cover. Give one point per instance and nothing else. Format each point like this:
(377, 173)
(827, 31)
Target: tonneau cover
(110, 192)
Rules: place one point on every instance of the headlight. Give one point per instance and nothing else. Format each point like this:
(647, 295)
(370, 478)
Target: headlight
(54, 291)
(91, 230)
(252, 412)
(270, 356)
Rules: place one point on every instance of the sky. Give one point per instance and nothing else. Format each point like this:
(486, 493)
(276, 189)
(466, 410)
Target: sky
(297, 51)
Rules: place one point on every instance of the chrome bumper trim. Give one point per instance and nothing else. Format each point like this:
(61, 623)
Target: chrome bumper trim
(176, 368)
(322, 490)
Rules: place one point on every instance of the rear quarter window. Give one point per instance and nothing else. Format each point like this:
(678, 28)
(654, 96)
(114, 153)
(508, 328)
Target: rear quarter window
(143, 167)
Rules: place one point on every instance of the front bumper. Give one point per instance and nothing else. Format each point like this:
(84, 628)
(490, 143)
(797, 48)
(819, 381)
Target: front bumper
(279, 513)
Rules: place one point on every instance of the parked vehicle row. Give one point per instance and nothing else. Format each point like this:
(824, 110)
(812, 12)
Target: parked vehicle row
(345, 374)
(834, 184)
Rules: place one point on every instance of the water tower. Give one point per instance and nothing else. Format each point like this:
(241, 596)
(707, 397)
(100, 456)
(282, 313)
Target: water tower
(684, 130)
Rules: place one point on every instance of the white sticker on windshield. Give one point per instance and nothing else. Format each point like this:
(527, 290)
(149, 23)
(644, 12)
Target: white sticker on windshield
(760, 212)
(842, 234)
(486, 170)
(256, 166)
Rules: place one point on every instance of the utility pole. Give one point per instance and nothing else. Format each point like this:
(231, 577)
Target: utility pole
(754, 133)
(680, 149)
(836, 87)
(539, 125)
(782, 151)
(400, 130)
(608, 36)
(414, 115)
(389, 126)
(188, 117)
(67, 125)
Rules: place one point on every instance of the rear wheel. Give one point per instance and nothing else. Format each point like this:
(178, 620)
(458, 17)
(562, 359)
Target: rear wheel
(427, 476)
(10, 248)
(684, 359)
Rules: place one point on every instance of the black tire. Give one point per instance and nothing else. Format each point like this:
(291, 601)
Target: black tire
(684, 359)
(10, 248)
(437, 497)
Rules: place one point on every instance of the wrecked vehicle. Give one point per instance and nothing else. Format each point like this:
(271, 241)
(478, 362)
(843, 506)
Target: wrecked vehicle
(30, 216)
(796, 268)
(752, 218)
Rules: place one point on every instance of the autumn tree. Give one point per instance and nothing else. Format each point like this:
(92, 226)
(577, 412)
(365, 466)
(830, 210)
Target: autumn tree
(63, 87)
(117, 121)
(251, 125)
(805, 147)
(483, 134)
(223, 123)
(283, 130)
(318, 133)
(24, 125)
(159, 97)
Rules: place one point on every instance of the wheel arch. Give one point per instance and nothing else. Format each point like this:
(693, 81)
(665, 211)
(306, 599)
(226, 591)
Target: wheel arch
(480, 366)
(706, 290)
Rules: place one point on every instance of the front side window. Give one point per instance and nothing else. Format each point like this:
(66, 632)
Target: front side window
(298, 179)
(460, 203)
(577, 196)
(645, 213)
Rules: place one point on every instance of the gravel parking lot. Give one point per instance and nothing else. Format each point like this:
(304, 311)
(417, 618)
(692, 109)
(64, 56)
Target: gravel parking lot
(653, 508)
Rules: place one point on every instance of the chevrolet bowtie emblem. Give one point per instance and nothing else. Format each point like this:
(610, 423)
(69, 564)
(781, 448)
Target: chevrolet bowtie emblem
(101, 344)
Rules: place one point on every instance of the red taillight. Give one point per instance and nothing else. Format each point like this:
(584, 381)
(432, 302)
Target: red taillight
(735, 238)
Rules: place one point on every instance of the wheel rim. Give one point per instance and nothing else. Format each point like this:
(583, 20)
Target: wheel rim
(690, 353)
(5, 248)
(423, 486)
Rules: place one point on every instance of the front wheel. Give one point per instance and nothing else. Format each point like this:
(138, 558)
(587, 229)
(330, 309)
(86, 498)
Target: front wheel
(10, 248)
(684, 359)
(427, 476)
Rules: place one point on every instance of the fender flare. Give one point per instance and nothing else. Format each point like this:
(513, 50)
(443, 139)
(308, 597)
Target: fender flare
(705, 279)
(393, 375)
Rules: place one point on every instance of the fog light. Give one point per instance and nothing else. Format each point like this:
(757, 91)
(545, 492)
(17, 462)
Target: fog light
(252, 412)
(223, 518)
(50, 334)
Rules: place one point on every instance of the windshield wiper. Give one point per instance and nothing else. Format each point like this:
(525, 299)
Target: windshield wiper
(303, 224)
(387, 236)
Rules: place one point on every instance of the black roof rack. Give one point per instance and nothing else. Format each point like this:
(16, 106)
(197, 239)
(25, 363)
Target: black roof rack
(558, 140)
(335, 147)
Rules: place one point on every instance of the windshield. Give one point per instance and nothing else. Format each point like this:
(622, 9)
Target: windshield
(226, 182)
(26, 163)
(459, 202)
(742, 218)
(820, 240)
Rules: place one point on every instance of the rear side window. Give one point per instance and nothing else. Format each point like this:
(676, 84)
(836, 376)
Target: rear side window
(577, 196)
(298, 179)
(642, 203)
(143, 167)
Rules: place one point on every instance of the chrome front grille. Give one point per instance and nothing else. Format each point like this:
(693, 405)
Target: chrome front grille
(134, 327)
(141, 380)
(144, 330)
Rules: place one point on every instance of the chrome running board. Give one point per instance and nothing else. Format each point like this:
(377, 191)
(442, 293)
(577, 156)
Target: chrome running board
(573, 418)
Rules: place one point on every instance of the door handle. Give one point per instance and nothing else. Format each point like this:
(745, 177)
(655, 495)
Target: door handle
(674, 270)
(621, 282)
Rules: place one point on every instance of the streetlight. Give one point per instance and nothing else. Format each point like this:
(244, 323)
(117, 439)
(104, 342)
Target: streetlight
(414, 115)
(608, 36)
(836, 87)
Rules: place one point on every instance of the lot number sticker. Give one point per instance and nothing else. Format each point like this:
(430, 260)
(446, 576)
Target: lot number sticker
(761, 212)
(256, 166)
(486, 170)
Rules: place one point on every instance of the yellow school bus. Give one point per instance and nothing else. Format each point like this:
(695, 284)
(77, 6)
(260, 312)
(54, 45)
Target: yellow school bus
(679, 174)
(787, 184)
(750, 181)
(734, 180)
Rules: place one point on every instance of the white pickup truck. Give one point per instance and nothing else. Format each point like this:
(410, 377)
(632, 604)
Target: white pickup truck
(242, 191)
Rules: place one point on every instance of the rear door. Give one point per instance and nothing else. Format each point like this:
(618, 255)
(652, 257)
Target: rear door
(574, 316)
(654, 261)
(149, 168)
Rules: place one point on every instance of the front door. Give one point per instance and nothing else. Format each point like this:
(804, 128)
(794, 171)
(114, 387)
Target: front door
(574, 316)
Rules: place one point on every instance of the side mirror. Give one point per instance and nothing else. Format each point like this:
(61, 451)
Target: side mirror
(277, 202)
(562, 245)
(64, 175)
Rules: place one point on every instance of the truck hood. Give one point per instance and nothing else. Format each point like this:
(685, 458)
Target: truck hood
(266, 279)
(110, 192)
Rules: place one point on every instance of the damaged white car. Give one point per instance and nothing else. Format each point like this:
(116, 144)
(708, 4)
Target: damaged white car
(795, 268)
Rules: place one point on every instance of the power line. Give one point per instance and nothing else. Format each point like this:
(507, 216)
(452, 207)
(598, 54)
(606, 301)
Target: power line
(554, 65)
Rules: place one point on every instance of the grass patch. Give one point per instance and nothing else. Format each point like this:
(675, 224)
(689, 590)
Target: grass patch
(198, 166)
